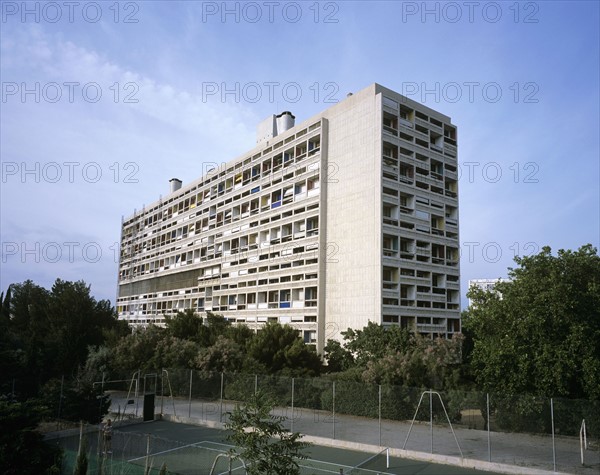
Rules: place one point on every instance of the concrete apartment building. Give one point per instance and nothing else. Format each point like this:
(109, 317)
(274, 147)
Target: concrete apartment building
(348, 217)
(485, 284)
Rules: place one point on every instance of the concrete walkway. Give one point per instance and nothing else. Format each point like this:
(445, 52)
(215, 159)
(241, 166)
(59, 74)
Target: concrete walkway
(524, 452)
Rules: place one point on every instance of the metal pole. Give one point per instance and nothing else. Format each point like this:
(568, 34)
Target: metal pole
(137, 388)
(162, 390)
(380, 415)
(488, 428)
(333, 410)
(255, 383)
(190, 398)
(62, 382)
(292, 425)
(553, 445)
(431, 417)
(221, 411)
(101, 395)
(147, 452)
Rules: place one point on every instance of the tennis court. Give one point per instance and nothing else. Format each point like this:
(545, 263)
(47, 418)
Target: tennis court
(195, 450)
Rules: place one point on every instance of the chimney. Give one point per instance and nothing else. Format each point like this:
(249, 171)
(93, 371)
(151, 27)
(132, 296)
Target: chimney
(175, 184)
(273, 126)
(285, 121)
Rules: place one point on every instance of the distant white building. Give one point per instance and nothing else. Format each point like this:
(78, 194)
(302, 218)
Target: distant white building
(485, 284)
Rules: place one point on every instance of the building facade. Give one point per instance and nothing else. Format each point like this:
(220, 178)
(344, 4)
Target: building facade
(349, 217)
(485, 284)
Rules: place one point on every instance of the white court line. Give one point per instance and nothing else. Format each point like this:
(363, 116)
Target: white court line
(195, 444)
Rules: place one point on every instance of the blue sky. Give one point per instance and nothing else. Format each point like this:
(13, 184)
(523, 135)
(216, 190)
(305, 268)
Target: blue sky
(103, 102)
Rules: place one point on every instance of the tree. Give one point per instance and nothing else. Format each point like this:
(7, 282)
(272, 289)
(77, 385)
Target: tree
(338, 358)
(23, 451)
(224, 355)
(425, 363)
(46, 334)
(280, 349)
(185, 325)
(138, 349)
(265, 445)
(540, 333)
(76, 400)
(76, 321)
(375, 341)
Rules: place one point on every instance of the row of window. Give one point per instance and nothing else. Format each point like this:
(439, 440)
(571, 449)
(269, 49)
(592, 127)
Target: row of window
(293, 298)
(129, 249)
(235, 178)
(249, 247)
(219, 214)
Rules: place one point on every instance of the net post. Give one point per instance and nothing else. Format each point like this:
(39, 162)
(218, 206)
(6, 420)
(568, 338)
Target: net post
(333, 409)
(221, 409)
(162, 390)
(379, 411)
(387, 458)
(190, 398)
(553, 444)
(488, 427)
(292, 420)
(431, 417)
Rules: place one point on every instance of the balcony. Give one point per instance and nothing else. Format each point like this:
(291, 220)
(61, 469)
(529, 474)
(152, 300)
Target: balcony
(406, 123)
(431, 328)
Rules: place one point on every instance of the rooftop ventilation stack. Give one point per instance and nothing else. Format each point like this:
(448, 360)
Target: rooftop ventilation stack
(175, 184)
(285, 121)
(273, 126)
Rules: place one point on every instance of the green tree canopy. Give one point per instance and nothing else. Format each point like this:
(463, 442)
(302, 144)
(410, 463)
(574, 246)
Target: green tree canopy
(279, 348)
(23, 450)
(46, 334)
(375, 341)
(186, 324)
(266, 446)
(540, 332)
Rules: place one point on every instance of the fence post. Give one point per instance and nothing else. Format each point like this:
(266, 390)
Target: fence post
(380, 415)
(190, 398)
(146, 470)
(488, 427)
(431, 417)
(62, 382)
(221, 410)
(553, 445)
(255, 384)
(101, 394)
(333, 410)
(162, 390)
(137, 391)
(292, 424)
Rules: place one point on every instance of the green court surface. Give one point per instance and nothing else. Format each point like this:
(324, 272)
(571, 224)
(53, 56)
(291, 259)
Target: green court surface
(192, 450)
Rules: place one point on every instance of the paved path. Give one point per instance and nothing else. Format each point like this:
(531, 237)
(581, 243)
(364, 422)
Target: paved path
(524, 450)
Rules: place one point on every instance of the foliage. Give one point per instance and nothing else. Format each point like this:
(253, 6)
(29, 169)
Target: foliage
(22, 449)
(223, 355)
(185, 325)
(81, 400)
(279, 348)
(424, 363)
(47, 334)
(265, 445)
(338, 358)
(540, 333)
(375, 341)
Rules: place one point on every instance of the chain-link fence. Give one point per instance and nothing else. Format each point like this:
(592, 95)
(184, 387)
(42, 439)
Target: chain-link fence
(523, 430)
(556, 434)
(133, 453)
